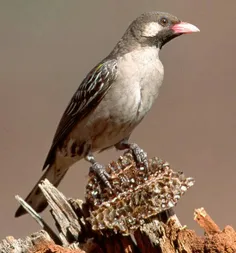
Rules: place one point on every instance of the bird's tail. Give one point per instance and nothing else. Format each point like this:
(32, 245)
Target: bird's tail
(36, 198)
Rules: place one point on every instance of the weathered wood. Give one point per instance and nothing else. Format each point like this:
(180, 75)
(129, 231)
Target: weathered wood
(38, 243)
(205, 221)
(66, 220)
(169, 240)
(39, 220)
(121, 221)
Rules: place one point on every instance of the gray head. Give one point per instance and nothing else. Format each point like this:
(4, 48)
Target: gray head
(152, 29)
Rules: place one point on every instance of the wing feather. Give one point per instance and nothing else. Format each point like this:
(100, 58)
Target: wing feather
(85, 100)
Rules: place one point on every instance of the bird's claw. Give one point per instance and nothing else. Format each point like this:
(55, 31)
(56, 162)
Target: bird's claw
(139, 155)
(101, 172)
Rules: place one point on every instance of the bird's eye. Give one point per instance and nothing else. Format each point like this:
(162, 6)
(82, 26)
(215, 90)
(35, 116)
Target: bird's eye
(164, 21)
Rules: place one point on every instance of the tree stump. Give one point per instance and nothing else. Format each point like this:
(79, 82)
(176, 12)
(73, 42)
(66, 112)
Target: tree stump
(136, 215)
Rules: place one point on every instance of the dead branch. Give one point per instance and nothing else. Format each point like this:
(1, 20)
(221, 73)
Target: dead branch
(137, 216)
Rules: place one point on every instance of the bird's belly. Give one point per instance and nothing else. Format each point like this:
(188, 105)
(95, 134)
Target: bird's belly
(127, 107)
(114, 118)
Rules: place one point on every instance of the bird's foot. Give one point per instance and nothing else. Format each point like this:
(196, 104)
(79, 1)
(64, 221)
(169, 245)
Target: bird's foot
(139, 154)
(101, 172)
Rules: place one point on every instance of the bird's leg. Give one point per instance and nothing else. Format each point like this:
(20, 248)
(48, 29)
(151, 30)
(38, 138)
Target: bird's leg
(139, 155)
(99, 170)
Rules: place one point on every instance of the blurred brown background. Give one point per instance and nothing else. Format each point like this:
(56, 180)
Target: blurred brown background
(46, 49)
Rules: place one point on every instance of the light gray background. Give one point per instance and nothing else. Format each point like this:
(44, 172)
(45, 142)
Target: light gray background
(46, 49)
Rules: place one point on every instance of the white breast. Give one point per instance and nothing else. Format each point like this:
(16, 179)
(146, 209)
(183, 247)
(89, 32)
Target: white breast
(142, 73)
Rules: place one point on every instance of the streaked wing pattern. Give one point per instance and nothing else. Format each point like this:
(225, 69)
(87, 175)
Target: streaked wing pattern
(86, 99)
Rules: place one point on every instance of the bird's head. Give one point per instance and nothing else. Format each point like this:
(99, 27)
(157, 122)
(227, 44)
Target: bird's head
(158, 28)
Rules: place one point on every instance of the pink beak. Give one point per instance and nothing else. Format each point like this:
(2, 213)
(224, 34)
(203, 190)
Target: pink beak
(184, 27)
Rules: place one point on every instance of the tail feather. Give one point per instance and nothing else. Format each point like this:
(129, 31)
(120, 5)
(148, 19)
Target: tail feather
(35, 198)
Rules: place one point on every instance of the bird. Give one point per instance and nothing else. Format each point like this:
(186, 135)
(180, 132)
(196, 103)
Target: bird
(111, 101)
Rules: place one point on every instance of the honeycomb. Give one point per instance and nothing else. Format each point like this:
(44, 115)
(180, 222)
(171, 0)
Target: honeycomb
(137, 194)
